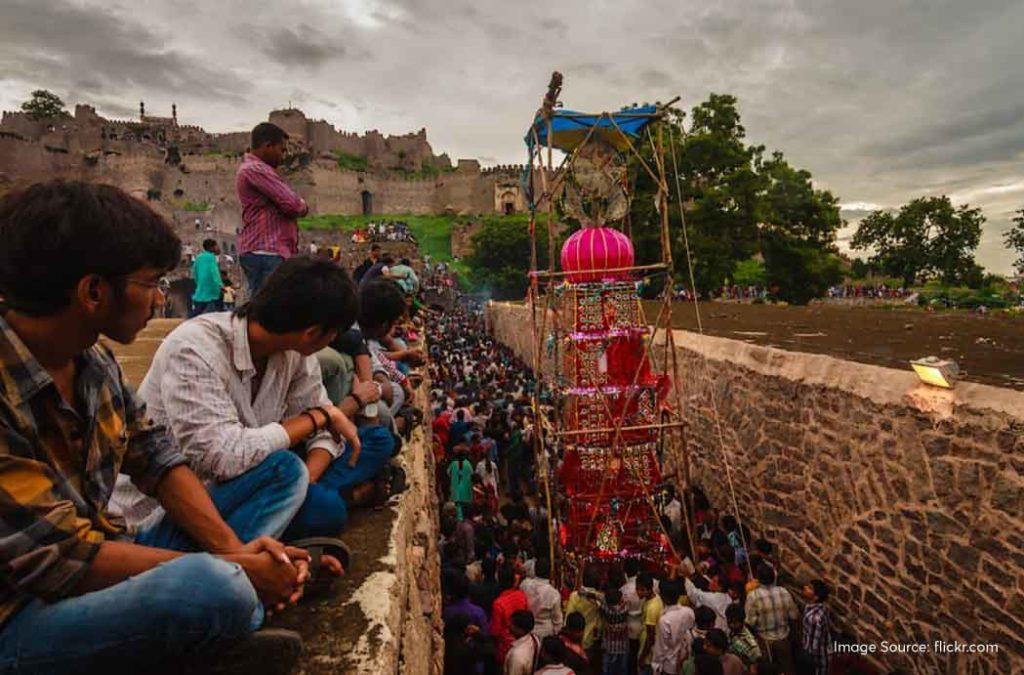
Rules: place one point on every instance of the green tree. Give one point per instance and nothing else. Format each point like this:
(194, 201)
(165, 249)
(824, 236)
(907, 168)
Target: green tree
(44, 104)
(500, 259)
(928, 237)
(1014, 239)
(798, 271)
(750, 272)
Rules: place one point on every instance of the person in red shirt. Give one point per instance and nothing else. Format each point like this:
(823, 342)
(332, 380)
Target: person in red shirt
(510, 600)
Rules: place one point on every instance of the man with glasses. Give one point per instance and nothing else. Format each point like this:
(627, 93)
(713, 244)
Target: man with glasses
(78, 593)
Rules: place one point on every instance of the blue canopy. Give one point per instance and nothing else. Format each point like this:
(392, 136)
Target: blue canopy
(570, 128)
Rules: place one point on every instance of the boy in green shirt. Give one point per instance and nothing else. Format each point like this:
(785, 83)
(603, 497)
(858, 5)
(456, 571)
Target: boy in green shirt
(206, 297)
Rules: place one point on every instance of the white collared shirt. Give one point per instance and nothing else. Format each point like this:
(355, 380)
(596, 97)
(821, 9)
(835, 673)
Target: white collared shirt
(672, 639)
(522, 656)
(199, 386)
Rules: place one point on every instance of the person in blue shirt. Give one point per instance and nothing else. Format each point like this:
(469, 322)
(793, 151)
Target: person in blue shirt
(205, 273)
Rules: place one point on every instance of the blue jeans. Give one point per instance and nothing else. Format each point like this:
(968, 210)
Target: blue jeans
(257, 268)
(262, 501)
(616, 664)
(170, 611)
(324, 513)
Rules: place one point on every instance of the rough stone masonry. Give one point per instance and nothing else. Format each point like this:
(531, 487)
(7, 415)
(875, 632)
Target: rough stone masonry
(909, 500)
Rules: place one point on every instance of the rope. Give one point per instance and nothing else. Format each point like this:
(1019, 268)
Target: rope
(700, 329)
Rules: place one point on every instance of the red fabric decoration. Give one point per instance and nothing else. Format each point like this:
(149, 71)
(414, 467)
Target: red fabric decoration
(593, 249)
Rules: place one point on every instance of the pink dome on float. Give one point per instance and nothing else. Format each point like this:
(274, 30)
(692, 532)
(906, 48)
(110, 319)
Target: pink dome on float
(593, 249)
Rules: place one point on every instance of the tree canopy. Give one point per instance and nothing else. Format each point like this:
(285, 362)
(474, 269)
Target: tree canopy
(927, 238)
(1014, 239)
(44, 104)
(501, 257)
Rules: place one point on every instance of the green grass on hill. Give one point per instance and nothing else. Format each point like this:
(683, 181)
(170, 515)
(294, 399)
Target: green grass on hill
(434, 233)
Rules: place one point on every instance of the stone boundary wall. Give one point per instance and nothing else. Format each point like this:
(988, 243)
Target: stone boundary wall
(909, 500)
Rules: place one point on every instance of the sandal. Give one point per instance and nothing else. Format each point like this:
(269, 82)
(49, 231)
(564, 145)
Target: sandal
(320, 584)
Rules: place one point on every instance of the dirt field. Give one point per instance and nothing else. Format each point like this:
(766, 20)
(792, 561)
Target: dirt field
(989, 349)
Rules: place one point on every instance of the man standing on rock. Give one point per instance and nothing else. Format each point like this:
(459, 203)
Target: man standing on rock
(270, 209)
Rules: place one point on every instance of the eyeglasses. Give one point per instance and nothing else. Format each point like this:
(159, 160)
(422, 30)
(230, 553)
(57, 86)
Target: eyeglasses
(163, 284)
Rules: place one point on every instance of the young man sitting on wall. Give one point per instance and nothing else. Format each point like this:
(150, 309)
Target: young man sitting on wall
(237, 390)
(76, 595)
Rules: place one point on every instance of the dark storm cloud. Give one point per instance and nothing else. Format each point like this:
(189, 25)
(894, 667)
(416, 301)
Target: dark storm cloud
(300, 47)
(67, 46)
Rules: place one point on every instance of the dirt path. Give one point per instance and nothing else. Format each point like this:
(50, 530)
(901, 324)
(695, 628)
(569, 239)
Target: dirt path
(989, 349)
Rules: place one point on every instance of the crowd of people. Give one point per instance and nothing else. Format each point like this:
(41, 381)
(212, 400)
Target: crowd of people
(390, 230)
(720, 610)
(164, 525)
(868, 292)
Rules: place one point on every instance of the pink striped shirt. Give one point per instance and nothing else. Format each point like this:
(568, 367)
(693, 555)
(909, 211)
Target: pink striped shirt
(270, 209)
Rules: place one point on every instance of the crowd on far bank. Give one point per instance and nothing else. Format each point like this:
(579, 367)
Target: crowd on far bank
(507, 609)
(390, 230)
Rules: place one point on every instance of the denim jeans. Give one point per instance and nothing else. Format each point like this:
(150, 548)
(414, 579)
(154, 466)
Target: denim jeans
(616, 664)
(324, 513)
(257, 268)
(171, 611)
(262, 501)
(337, 371)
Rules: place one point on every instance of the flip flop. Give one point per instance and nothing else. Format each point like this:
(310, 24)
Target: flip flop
(320, 584)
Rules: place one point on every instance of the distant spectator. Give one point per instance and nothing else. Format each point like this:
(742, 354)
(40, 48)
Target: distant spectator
(364, 266)
(270, 209)
(205, 273)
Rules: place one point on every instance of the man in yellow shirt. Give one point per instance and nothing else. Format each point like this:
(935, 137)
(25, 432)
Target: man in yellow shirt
(587, 601)
(651, 613)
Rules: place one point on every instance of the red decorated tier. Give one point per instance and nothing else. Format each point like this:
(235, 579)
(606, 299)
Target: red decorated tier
(589, 253)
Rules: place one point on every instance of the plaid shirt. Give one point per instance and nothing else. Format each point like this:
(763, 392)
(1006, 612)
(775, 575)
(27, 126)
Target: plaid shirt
(744, 645)
(817, 632)
(769, 611)
(616, 628)
(58, 466)
(270, 209)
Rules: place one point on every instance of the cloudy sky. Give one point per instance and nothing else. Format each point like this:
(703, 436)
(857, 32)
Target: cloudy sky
(882, 100)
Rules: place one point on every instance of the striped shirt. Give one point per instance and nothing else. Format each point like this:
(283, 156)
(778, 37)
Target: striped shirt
(817, 632)
(769, 611)
(744, 645)
(270, 209)
(58, 463)
(200, 384)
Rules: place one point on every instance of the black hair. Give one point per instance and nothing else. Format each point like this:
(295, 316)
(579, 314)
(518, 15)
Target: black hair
(729, 523)
(705, 616)
(763, 546)
(381, 303)
(304, 292)
(631, 566)
(405, 261)
(542, 568)
(645, 580)
(209, 244)
(670, 592)
(456, 584)
(506, 577)
(266, 133)
(552, 650)
(765, 574)
(523, 620)
(613, 596)
(821, 589)
(57, 232)
(735, 612)
(575, 621)
(591, 577)
(718, 638)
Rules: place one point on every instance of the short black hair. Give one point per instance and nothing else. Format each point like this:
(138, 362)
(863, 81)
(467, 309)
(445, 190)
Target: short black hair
(375, 247)
(209, 244)
(266, 133)
(718, 638)
(523, 620)
(576, 621)
(703, 615)
(57, 232)
(821, 589)
(380, 303)
(670, 592)
(735, 612)
(456, 584)
(304, 292)
(645, 580)
(765, 574)
(631, 566)
(553, 649)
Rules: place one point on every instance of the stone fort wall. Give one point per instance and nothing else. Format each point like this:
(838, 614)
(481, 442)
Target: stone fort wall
(907, 499)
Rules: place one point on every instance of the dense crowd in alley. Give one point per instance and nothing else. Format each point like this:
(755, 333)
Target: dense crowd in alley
(721, 610)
